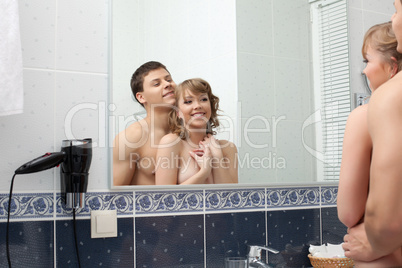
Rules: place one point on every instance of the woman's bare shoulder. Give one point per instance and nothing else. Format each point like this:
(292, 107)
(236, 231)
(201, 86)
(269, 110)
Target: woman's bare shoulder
(170, 138)
(227, 146)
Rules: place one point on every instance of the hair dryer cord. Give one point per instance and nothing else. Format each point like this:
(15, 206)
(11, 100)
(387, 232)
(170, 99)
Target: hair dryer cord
(75, 239)
(8, 222)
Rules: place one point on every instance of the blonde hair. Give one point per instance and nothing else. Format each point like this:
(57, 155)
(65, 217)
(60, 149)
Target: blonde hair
(195, 86)
(381, 37)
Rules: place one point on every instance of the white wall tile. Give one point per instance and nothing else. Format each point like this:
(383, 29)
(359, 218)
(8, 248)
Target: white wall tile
(38, 31)
(79, 99)
(255, 27)
(256, 85)
(30, 135)
(371, 18)
(292, 150)
(356, 35)
(356, 3)
(293, 95)
(291, 29)
(82, 36)
(383, 6)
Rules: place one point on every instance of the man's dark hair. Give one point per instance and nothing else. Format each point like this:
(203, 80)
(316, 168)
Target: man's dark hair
(137, 80)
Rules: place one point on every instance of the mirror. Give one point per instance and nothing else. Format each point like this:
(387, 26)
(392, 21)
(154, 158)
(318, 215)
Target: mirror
(257, 56)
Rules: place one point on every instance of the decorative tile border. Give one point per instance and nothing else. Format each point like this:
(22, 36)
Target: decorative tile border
(40, 205)
(30, 205)
(244, 199)
(168, 202)
(329, 195)
(293, 197)
(120, 201)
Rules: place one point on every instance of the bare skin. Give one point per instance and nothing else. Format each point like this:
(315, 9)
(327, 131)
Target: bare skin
(378, 241)
(199, 159)
(134, 149)
(355, 173)
(383, 218)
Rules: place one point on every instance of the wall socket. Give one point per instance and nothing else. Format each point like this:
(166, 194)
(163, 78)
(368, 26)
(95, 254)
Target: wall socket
(103, 223)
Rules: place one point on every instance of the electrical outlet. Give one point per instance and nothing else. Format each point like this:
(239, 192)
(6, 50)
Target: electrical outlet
(361, 98)
(103, 223)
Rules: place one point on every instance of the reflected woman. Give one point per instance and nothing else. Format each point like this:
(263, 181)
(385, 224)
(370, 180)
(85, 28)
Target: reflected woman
(383, 62)
(190, 154)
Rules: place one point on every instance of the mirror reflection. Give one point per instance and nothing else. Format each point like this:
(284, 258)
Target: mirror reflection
(257, 56)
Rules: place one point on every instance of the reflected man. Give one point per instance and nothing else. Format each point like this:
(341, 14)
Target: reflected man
(134, 149)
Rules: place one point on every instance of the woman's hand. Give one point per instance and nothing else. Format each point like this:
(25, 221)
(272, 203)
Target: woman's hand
(213, 144)
(203, 157)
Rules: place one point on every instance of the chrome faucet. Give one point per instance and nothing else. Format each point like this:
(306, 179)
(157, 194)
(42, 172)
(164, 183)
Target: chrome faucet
(254, 256)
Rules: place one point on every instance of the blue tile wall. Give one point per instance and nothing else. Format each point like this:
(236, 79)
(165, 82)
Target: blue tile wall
(291, 232)
(228, 234)
(100, 252)
(31, 244)
(189, 228)
(333, 230)
(170, 241)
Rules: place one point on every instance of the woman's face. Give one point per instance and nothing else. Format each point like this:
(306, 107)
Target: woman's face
(377, 70)
(397, 23)
(195, 109)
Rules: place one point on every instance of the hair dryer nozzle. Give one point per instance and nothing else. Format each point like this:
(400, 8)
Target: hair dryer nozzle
(74, 171)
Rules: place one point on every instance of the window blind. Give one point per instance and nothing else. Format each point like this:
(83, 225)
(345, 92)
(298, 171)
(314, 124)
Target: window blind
(331, 81)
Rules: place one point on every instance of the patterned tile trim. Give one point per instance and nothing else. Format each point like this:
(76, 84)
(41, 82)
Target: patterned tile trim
(120, 201)
(27, 205)
(168, 202)
(244, 199)
(40, 205)
(293, 197)
(329, 195)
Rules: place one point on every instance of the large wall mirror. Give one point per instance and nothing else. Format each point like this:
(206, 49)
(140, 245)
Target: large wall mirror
(258, 57)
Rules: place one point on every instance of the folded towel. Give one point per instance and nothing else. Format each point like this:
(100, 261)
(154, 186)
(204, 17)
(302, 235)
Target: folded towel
(11, 84)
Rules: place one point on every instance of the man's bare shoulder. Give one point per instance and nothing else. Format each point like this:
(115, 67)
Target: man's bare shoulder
(385, 109)
(134, 132)
(390, 93)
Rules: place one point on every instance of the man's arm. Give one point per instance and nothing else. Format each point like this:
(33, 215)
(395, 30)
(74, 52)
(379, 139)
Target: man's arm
(383, 218)
(126, 146)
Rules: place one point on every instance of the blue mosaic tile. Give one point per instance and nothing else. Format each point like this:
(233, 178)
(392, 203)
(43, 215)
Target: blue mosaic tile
(333, 230)
(291, 232)
(31, 244)
(168, 202)
(235, 199)
(329, 195)
(122, 202)
(27, 205)
(170, 241)
(98, 252)
(228, 234)
(293, 197)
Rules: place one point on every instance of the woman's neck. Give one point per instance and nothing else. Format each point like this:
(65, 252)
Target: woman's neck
(195, 138)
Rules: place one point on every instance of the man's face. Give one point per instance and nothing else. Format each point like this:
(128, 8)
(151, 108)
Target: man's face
(397, 23)
(158, 88)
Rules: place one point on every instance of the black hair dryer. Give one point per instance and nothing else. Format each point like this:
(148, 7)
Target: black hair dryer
(75, 160)
(74, 171)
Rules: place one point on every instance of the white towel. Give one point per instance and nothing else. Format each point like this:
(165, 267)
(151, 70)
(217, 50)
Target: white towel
(11, 84)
